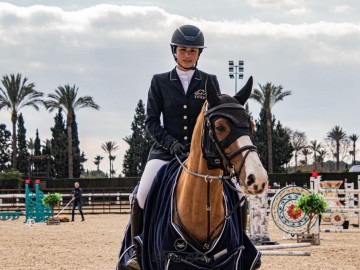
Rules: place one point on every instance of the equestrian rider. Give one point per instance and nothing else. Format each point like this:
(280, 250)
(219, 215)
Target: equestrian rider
(179, 96)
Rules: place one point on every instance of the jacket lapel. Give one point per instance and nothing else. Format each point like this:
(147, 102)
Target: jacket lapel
(195, 82)
(175, 81)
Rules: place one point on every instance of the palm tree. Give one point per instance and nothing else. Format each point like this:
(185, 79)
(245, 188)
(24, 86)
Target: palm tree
(66, 97)
(109, 148)
(321, 157)
(306, 152)
(97, 161)
(337, 134)
(315, 148)
(17, 94)
(354, 138)
(31, 146)
(268, 96)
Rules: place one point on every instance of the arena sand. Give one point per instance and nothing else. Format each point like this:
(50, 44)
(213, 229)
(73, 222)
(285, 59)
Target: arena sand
(94, 244)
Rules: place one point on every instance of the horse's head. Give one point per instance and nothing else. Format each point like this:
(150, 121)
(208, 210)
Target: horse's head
(226, 140)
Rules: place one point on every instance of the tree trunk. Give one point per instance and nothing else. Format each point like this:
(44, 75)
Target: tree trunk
(354, 156)
(14, 137)
(337, 156)
(295, 161)
(70, 150)
(110, 165)
(309, 224)
(269, 140)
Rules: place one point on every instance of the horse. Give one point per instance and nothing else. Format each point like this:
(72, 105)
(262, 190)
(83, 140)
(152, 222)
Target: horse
(192, 216)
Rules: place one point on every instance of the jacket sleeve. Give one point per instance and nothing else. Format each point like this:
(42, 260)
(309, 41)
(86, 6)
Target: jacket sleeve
(154, 108)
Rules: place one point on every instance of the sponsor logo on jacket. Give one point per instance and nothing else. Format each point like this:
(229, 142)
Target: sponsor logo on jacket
(200, 94)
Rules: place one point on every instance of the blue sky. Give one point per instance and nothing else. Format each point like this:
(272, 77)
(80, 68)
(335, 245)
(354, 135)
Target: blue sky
(111, 49)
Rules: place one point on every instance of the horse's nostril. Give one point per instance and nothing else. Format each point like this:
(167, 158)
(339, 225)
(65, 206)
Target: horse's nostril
(251, 180)
(263, 186)
(255, 187)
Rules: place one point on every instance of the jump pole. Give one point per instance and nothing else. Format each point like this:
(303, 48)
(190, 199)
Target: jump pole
(340, 230)
(284, 253)
(283, 246)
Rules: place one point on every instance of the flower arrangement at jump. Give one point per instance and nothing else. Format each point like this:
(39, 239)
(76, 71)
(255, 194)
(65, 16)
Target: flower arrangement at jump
(312, 205)
(52, 200)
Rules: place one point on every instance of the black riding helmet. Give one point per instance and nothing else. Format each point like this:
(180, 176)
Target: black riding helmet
(187, 36)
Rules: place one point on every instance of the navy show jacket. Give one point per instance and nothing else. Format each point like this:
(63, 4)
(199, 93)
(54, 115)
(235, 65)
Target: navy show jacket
(179, 110)
(77, 192)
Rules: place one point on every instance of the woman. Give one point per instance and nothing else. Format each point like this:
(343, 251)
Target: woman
(178, 95)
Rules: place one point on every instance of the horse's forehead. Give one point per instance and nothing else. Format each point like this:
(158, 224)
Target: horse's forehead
(227, 99)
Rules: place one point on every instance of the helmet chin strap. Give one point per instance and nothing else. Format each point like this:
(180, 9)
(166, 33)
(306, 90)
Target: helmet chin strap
(192, 68)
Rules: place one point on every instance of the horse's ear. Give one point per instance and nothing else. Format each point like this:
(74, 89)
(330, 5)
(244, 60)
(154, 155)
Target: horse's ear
(243, 95)
(211, 93)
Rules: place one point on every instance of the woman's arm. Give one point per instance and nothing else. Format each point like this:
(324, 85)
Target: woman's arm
(154, 108)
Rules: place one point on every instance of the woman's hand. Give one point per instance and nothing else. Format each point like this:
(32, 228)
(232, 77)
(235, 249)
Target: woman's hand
(177, 149)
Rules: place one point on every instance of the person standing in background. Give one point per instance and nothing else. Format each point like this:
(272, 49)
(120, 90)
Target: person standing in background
(77, 201)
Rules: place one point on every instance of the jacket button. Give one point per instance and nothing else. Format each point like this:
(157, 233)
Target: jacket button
(185, 106)
(185, 138)
(185, 116)
(185, 127)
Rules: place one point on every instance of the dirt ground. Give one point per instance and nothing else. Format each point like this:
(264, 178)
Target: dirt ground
(94, 244)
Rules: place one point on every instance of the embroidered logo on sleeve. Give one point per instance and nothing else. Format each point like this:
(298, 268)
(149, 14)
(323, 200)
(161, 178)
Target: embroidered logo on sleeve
(200, 94)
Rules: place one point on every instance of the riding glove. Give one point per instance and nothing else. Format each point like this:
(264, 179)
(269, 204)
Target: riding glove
(177, 148)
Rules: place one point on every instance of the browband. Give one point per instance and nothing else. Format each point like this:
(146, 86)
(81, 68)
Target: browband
(224, 106)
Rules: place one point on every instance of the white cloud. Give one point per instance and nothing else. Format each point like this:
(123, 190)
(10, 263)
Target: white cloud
(275, 3)
(98, 25)
(342, 9)
(298, 11)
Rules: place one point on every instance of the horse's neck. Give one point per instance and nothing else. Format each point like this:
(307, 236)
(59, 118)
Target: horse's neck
(192, 194)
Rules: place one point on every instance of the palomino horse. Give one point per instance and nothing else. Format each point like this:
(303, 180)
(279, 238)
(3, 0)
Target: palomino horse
(192, 217)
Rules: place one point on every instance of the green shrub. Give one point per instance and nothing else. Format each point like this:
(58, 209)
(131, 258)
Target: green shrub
(52, 200)
(312, 205)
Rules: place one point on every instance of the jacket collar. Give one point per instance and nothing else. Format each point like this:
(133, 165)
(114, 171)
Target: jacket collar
(174, 76)
(194, 84)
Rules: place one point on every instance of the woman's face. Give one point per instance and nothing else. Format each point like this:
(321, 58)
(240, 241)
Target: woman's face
(76, 185)
(186, 57)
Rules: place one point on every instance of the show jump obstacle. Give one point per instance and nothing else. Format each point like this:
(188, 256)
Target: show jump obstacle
(337, 212)
(33, 204)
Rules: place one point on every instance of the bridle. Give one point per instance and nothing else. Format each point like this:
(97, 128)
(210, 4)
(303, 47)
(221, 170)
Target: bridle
(229, 167)
(222, 160)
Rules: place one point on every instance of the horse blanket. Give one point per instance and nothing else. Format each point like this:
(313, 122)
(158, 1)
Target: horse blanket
(165, 246)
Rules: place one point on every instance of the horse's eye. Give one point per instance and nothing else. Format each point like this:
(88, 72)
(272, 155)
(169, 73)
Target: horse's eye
(220, 128)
